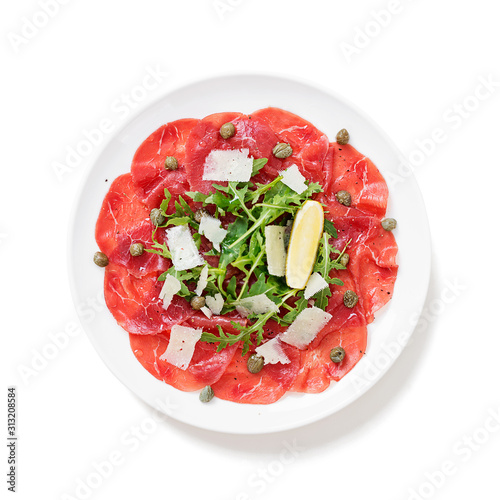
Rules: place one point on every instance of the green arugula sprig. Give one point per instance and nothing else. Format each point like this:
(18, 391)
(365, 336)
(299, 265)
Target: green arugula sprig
(159, 248)
(324, 265)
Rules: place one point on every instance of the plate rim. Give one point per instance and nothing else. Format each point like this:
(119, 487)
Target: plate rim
(89, 167)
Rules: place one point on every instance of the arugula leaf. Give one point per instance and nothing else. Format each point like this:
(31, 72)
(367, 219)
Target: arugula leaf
(224, 339)
(197, 196)
(197, 240)
(184, 204)
(234, 232)
(324, 265)
(238, 201)
(254, 257)
(258, 164)
(219, 200)
(220, 187)
(159, 248)
(165, 202)
(231, 287)
(177, 221)
(330, 228)
(299, 306)
(259, 287)
(254, 195)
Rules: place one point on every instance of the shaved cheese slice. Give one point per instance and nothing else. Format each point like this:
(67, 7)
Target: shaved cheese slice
(228, 165)
(215, 303)
(202, 281)
(315, 284)
(272, 352)
(294, 179)
(207, 312)
(305, 327)
(275, 250)
(181, 345)
(170, 287)
(211, 228)
(243, 311)
(185, 255)
(258, 304)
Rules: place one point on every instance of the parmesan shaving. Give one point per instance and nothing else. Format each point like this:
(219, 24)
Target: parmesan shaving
(243, 311)
(258, 304)
(181, 346)
(315, 284)
(228, 165)
(272, 352)
(202, 281)
(294, 179)
(275, 250)
(305, 327)
(207, 312)
(215, 303)
(185, 255)
(170, 287)
(211, 228)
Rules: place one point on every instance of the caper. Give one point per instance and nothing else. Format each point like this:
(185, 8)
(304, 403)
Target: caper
(197, 302)
(227, 130)
(157, 218)
(350, 299)
(101, 259)
(343, 197)
(136, 249)
(200, 213)
(171, 163)
(389, 224)
(337, 354)
(255, 363)
(343, 137)
(344, 260)
(206, 394)
(282, 150)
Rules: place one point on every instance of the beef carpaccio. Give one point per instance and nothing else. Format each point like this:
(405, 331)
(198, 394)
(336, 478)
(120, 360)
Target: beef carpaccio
(133, 290)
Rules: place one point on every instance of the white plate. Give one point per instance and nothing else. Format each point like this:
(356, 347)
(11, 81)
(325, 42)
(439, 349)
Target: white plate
(386, 336)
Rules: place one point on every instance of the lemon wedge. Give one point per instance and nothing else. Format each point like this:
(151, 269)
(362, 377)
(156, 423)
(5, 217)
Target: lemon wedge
(303, 246)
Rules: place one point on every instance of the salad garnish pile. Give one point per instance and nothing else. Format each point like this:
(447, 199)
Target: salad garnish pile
(252, 207)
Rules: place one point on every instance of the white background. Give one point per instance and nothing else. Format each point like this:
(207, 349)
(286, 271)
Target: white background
(412, 75)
